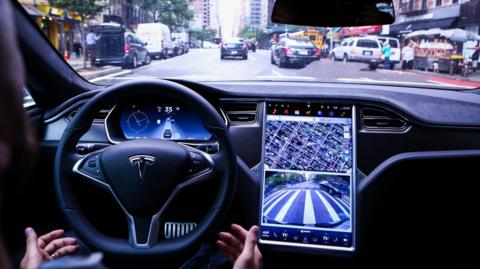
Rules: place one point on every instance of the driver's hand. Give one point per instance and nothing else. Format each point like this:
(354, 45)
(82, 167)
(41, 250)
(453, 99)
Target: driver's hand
(46, 247)
(241, 248)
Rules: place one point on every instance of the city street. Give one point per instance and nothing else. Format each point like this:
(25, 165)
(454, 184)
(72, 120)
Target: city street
(205, 65)
(306, 204)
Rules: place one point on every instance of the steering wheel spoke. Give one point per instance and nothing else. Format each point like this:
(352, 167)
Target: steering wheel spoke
(143, 230)
(201, 168)
(88, 167)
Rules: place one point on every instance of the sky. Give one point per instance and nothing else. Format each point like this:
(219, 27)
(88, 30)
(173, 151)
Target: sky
(226, 14)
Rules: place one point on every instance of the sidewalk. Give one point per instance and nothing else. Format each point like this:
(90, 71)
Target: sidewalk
(91, 72)
(471, 76)
(472, 80)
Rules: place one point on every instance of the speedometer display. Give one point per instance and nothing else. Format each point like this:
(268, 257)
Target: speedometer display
(162, 121)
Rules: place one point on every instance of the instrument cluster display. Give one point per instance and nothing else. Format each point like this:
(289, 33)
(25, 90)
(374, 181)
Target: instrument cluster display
(162, 121)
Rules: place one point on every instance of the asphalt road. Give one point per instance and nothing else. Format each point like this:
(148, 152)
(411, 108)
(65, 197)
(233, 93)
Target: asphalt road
(306, 204)
(206, 65)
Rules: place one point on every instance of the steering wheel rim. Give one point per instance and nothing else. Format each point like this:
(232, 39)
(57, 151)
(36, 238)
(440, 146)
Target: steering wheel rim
(67, 159)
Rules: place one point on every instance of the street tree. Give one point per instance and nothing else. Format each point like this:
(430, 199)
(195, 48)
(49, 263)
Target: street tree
(173, 13)
(202, 35)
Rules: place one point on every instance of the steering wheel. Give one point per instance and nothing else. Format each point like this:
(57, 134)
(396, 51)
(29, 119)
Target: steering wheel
(144, 176)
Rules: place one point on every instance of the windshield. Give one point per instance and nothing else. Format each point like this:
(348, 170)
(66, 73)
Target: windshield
(432, 44)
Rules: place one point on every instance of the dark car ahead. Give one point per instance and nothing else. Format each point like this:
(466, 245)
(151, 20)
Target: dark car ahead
(234, 48)
(116, 47)
(294, 52)
(330, 189)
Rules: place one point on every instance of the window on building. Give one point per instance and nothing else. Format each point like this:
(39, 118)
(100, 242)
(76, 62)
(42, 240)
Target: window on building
(439, 3)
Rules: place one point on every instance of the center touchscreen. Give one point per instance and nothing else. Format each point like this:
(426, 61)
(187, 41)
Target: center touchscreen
(308, 187)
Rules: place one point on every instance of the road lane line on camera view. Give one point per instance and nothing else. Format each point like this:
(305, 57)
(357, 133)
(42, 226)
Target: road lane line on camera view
(308, 185)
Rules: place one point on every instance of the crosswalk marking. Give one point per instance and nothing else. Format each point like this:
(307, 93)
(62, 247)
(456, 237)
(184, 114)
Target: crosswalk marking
(286, 207)
(272, 196)
(276, 202)
(272, 199)
(308, 213)
(329, 208)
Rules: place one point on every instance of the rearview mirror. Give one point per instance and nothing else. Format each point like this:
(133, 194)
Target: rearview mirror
(334, 13)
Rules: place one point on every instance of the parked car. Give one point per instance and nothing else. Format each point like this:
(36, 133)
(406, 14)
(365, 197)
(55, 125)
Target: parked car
(294, 52)
(330, 189)
(116, 47)
(234, 47)
(180, 47)
(358, 49)
(183, 39)
(160, 44)
(209, 45)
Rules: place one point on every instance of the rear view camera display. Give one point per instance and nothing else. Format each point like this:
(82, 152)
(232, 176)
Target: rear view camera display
(308, 183)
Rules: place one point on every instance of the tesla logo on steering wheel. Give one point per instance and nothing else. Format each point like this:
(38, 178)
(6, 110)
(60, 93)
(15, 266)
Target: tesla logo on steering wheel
(141, 161)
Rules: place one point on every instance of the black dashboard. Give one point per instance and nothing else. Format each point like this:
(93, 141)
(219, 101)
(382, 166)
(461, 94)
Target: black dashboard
(393, 126)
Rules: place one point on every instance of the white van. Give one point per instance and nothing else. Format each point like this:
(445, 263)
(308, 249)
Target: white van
(358, 49)
(157, 35)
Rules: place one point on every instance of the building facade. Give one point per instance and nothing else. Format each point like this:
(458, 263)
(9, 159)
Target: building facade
(413, 15)
(205, 15)
(258, 13)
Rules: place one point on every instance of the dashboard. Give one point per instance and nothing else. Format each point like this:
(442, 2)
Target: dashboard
(374, 128)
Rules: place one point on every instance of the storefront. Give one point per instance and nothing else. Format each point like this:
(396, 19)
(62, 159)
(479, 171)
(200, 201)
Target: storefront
(61, 27)
(51, 24)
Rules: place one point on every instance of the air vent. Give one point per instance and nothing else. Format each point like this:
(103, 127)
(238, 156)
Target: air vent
(378, 119)
(99, 117)
(240, 113)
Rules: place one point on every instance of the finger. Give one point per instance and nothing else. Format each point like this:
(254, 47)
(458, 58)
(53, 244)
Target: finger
(47, 238)
(231, 253)
(31, 241)
(231, 240)
(239, 231)
(60, 243)
(67, 250)
(250, 242)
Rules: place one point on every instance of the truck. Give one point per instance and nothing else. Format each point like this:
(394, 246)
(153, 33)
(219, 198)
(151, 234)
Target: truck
(158, 38)
(181, 42)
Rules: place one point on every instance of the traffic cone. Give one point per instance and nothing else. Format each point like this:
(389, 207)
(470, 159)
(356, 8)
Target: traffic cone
(65, 55)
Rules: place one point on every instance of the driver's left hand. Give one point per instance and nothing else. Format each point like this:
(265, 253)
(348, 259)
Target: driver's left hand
(46, 247)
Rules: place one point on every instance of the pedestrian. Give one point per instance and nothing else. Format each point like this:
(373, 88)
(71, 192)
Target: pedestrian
(325, 49)
(387, 52)
(91, 41)
(408, 55)
(77, 47)
(475, 57)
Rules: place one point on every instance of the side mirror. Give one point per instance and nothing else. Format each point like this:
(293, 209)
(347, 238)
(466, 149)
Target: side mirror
(145, 43)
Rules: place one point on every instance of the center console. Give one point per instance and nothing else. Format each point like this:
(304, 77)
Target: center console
(308, 184)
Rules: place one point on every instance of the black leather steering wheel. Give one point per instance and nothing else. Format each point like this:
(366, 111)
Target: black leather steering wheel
(144, 176)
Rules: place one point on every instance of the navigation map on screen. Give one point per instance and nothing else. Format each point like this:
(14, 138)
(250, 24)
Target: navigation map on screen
(308, 175)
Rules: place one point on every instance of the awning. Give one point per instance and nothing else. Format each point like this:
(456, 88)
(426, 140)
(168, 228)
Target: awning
(361, 30)
(408, 27)
(33, 11)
